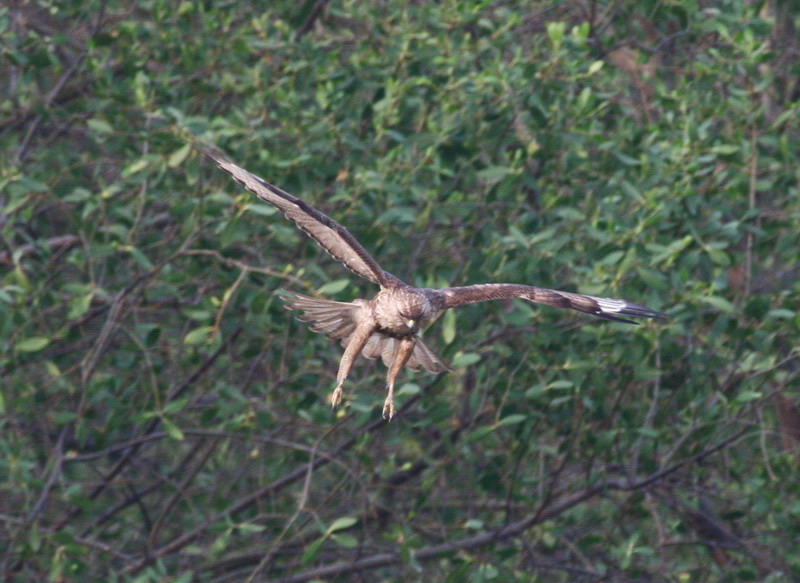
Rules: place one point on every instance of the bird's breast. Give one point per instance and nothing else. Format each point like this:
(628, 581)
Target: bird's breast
(394, 325)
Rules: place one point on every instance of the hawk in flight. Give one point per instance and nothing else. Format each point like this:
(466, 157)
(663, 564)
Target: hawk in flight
(389, 323)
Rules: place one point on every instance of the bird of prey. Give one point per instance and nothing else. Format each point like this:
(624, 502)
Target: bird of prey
(388, 325)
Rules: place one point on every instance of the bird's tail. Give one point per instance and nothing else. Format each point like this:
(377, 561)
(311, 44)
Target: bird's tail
(422, 358)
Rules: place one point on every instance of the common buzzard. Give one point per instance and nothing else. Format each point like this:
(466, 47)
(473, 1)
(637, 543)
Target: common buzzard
(389, 323)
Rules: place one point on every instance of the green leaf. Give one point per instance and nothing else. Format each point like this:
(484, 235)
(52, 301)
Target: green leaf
(671, 250)
(725, 149)
(79, 305)
(555, 30)
(494, 173)
(32, 344)
(172, 430)
(625, 159)
(333, 287)
(99, 126)
(612, 258)
(449, 326)
(748, 396)
(560, 384)
(137, 166)
(33, 185)
(512, 419)
(260, 209)
(312, 550)
(780, 314)
(200, 335)
(174, 406)
(409, 389)
(346, 541)
(140, 257)
(248, 527)
(178, 156)
(719, 257)
(720, 303)
(595, 67)
(341, 523)
(64, 417)
(465, 359)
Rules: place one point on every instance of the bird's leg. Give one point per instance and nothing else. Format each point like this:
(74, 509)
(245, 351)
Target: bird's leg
(404, 349)
(360, 336)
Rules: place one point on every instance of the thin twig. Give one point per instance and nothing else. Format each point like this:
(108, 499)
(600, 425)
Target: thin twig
(187, 479)
(242, 265)
(226, 300)
(312, 17)
(55, 472)
(751, 201)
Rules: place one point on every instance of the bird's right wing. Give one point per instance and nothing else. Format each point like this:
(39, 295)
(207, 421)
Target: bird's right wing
(329, 234)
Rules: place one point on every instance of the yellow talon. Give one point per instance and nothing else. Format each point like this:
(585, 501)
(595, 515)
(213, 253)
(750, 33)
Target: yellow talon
(388, 409)
(336, 396)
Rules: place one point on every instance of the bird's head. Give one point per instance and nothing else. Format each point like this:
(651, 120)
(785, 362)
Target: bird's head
(413, 313)
(411, 320)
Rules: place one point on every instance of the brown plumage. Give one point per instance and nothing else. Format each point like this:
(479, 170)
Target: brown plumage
(388, 325)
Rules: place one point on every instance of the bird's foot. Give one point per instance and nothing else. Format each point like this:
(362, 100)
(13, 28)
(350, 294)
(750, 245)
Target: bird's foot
(388, 408)
(336, 396)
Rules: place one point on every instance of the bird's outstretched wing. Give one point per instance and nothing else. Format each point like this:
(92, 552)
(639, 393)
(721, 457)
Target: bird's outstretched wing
(330, 235)
(604, 308)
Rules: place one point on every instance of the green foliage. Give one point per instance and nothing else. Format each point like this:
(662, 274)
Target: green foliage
(164, 418)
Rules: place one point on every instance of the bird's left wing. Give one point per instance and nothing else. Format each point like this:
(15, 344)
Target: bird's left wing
(330, 235)
(604, 308)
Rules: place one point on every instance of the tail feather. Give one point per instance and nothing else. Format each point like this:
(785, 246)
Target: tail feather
(424, 357)
(386, 348)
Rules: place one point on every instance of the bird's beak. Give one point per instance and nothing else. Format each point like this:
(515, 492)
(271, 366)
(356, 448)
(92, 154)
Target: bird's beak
(411, 324)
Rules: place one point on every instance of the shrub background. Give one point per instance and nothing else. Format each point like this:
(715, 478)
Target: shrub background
(164, 419)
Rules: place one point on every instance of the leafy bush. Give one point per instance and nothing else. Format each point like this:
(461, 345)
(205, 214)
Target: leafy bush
(164, 419)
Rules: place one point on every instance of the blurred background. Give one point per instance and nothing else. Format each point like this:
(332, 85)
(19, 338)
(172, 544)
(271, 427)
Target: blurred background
(163, 418)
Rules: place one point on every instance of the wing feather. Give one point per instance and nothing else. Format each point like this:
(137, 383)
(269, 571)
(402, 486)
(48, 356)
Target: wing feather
(603, 308)
(329, 234)
(337, 320)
